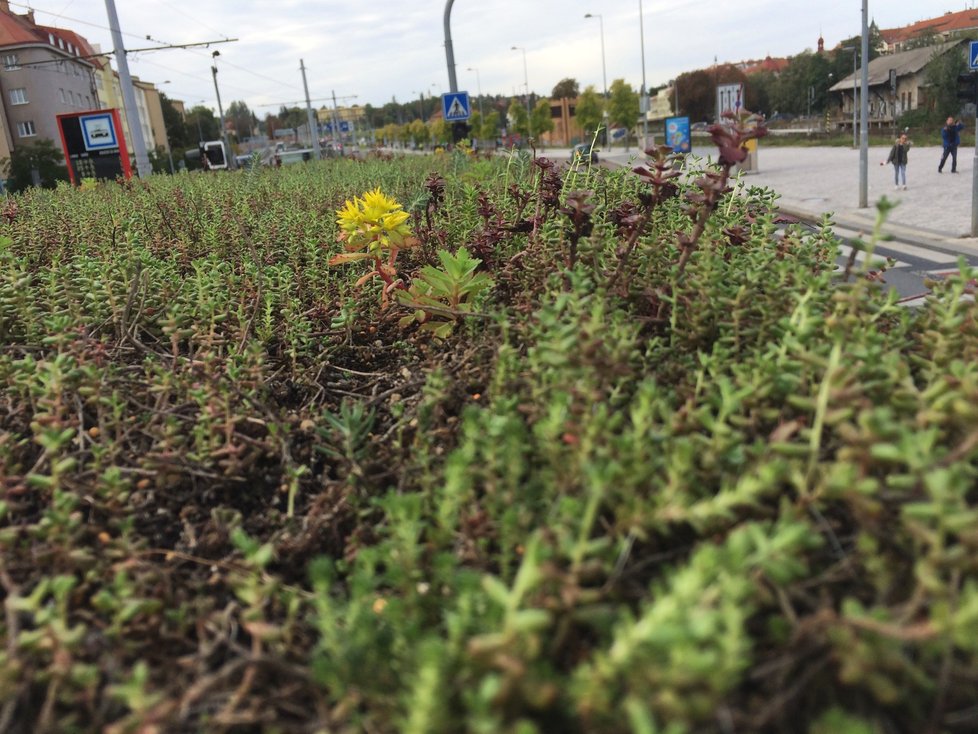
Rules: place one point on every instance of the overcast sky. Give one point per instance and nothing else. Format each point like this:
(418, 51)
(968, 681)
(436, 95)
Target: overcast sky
(368, 52)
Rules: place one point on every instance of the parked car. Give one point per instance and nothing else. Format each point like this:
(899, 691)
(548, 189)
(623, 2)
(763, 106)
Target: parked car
(583, 151)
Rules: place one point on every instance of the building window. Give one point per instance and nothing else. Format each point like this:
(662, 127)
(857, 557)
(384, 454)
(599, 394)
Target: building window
(10, 62)
(26, 129)
(88, 102)
(64, 100)
(51, 38)
(18, 96)
(98, 82)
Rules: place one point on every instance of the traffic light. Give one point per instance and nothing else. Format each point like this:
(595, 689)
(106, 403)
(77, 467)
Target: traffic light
(968, 87)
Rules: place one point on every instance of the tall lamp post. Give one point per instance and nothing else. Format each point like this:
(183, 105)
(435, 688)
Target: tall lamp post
(604, 73)
(478, 86)
(645, 100)
(526, 83)
(229, 159)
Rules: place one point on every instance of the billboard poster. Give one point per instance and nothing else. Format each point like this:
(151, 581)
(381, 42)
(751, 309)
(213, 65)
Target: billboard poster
(94, 145)
(677, 134)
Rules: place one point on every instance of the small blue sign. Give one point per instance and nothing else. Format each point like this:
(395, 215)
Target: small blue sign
(973, 55)
(455, 106)
(98, 131)
(677, 134)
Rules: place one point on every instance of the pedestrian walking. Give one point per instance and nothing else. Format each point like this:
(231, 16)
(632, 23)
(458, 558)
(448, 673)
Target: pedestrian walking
(951, 137)
(898, 157)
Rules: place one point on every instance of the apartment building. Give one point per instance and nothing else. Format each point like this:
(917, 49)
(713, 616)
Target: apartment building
(43, 72)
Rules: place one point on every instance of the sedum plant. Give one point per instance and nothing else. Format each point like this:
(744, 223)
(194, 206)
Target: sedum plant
(374, 227)
(439, 297)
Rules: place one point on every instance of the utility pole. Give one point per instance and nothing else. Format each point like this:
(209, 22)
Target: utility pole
(644, 104)
(336, 122)
(143, 167)
(220, 111)
(449, 53)
(864, 115)
(313, 120)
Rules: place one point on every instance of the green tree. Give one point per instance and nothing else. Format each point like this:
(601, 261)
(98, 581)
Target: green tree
(490, 127)
(177, 132)
(202, 124)
(41, 160)
(697, 95)
(419, 133)
(802, 86)
(541, 120)
(518, 121)
(566, 89)
(941, 74)
(623, 106)
(441, 131)
(242, 118)
(589, 111)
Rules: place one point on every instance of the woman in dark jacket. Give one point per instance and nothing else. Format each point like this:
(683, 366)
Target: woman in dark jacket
(898, 157)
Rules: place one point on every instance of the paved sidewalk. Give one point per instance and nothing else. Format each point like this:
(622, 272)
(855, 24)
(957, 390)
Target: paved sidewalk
(934, 211)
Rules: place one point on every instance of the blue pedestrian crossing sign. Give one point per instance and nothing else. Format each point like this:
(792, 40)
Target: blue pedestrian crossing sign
(455, 106)
(973, 55)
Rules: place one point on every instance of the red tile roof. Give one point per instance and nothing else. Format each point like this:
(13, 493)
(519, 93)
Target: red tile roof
(962, 20)
(18, 30)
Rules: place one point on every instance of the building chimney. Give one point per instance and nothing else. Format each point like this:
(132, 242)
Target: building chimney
(5, 6)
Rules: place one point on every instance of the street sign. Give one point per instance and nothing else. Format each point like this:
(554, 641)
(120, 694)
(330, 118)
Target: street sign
(730, 98)
(94, 146)
(973, 55)
(455, 106)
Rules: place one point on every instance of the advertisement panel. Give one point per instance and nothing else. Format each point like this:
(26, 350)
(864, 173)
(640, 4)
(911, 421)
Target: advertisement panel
(677, 134)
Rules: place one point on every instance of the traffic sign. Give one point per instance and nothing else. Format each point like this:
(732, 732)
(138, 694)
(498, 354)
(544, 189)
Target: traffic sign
(973, 55)
(455, 106)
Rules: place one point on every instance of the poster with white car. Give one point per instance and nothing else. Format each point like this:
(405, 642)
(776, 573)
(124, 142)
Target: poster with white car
(98, 132)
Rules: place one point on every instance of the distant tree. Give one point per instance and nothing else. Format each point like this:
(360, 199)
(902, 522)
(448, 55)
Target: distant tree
(802, 85)
(292, 118)
(623, 106)
(760, 91)
(41, 159)
(242, 118)
(566, 89)
(441, 131)
(589, 111)
(475, 125)
(419, 133)
(176, 129)
(941, 75)
(540, 119)
(202, 124)
(490, 126)
(697, 95)
(518, 121)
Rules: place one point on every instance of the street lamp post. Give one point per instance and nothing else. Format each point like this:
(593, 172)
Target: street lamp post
(526, 83)
(228, 158)
(604, 72)
(478, 87)
(645, 100)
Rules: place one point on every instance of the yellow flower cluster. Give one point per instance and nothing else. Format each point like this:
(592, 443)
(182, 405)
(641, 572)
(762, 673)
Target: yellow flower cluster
(375, 221)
